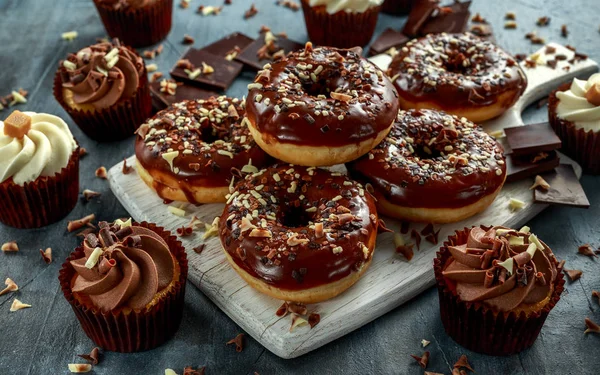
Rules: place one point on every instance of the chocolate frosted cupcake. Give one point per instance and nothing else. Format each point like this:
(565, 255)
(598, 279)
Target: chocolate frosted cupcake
(574, 112)
(496, 288)
(341, 23)
(39, 170)
(138, 23)
(126, 285)
(104, 88)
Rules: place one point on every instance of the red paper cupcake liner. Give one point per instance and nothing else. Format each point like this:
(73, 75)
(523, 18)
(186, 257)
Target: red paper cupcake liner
(478, 327)
(137, 330)
(116, 122)
(139, 27)
(341, 29)
(582, 146)
(43, 201)
(396, 6)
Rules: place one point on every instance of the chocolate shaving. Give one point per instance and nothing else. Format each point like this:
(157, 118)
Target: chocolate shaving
(433, 237)
(282, 310)
(101, 173)
(198, 249)
(93, 357)
(463, 362)
(89, 194)
(190, 371)
(10, 246)
(406, 250)
(123, 232)
(381, 228)
(414, 234)
(133, 241)
(574, 274)
(80, 223)
(587, 250)
(427, 230)
(591, 326)
(46, 255)
(596, 294)
(185, 231)
(126, 169)
(423, 360)
(314, 319)
(238, 341)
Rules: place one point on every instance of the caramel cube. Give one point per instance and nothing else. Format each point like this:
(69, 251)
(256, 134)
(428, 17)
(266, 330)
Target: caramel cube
(17, 124)
(593, 94)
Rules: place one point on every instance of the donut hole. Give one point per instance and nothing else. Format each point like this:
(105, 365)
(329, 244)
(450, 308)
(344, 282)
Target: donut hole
(291, 216)
(213, 133)
(426, 152)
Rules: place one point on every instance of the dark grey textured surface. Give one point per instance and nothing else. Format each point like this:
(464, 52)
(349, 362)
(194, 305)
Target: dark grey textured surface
(43, 339)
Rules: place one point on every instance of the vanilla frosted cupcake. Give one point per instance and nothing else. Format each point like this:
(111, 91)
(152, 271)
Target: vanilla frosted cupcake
(39, 169)
(574, 113)
(341, 23)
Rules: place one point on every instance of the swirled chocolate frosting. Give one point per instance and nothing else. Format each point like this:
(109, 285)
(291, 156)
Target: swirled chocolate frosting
(502, 268)
(102, 74)
(133, 265)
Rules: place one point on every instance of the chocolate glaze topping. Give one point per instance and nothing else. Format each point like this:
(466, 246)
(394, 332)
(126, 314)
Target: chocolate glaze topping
(198, 141)
(432, 159)
(321, 97)
(297, 228)
(456, 71)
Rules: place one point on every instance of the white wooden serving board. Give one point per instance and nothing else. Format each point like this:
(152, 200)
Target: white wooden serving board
(389, 282)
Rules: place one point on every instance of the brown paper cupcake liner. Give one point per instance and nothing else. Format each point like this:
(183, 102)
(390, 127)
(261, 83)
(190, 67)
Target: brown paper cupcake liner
(341, 29)
(43, 201)
(582, 146)
(479, 328)
(138, 27)
(116, 122)
(396, 6)
(137, 330)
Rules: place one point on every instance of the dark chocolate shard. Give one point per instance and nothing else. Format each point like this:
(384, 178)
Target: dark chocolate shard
(530, 139)
(389, 38)
(250, 55)
(225, 72)
(227, 45)
(448, 22)
(419, 14)
(162, 100)
(518, 168)
(565, 189)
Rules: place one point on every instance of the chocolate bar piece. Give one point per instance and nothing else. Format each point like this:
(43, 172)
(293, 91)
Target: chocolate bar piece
(419, 14)
(531, 139)
(389, 38)
(221, 78)
(447, 22)
(565, 188)
(518, 168)
(161, 100)
(229, 46)
(257, 53)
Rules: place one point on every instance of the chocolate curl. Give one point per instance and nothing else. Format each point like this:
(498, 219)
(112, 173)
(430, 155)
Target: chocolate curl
(106, 237)
(522, 258)
(282, 310)
(92, 240)
(238, 341)
(123, 232)
(486, 259)
(489, 279)
(314, 319)
(422, 361)
(475, 251)
(540, 279)
(133, 241)
(502, 275)
(106, 265)
(521, 277)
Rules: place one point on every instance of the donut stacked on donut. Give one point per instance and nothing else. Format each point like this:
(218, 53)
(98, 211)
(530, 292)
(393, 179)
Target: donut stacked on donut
(320, 106)
(186, 152)
(433, 167)
(460, 74)
(299, 234)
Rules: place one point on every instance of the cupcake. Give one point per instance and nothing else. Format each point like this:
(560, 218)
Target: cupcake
(126, 285)
(104, 88)
(396, 6)
(39, 170)
(574, 113)
(496, 288)
(138, 23)
(341, 23)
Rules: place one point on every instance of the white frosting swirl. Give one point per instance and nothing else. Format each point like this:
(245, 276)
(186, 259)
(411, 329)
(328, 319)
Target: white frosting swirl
(43, 151)
(350, 6)
(574, 107)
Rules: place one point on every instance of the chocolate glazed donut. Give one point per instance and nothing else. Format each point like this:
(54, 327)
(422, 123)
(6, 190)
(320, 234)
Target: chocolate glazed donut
(299, 234)
(460, 74)
(433, 167)
(186, 152)
(321, 106)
